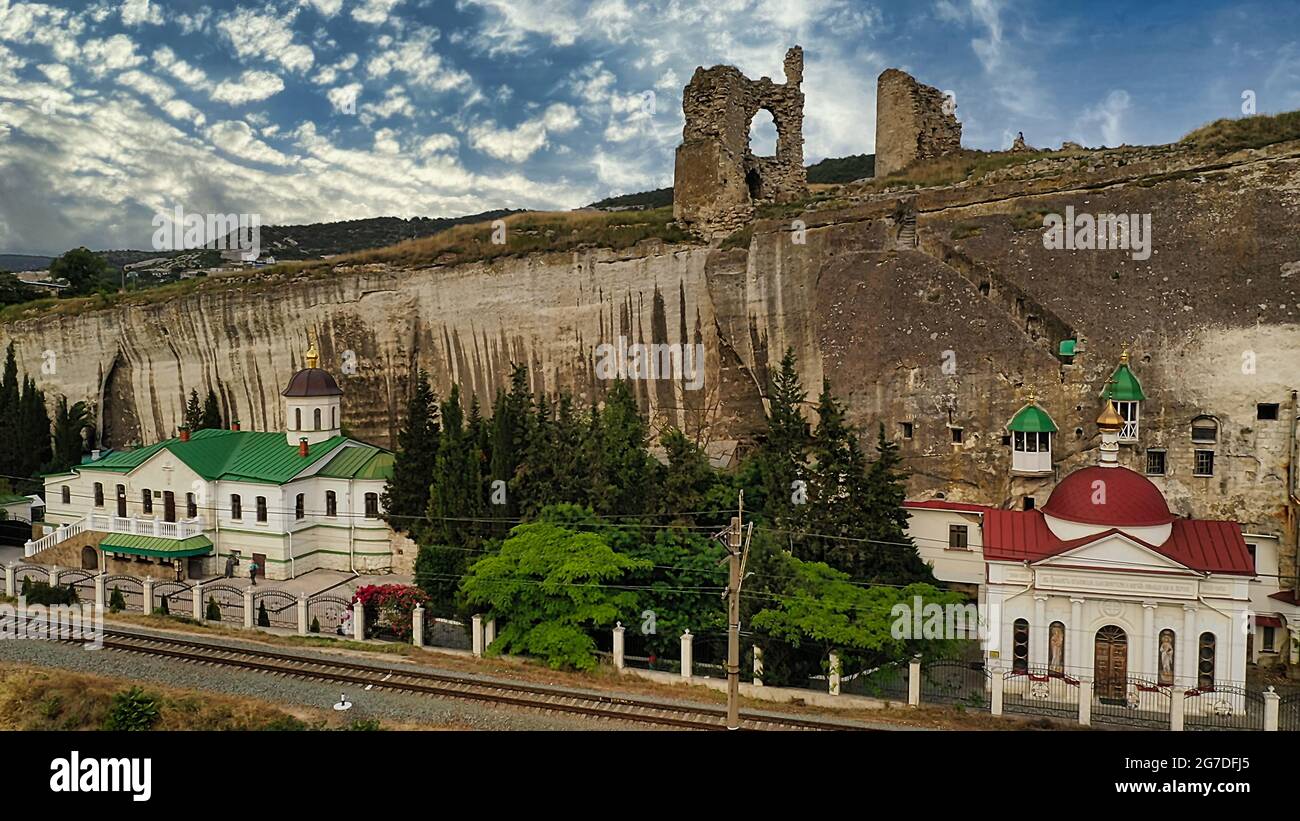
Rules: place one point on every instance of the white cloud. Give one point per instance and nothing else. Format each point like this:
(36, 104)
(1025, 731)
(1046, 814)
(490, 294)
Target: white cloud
(57, 72)
(414, 56)
(190, 75)
(521, 142)
(268, 36)
(249, 87)
(438, 143)
(237, 139)
(509, 23)
(136, 12)
(395, 102)
(344, 98)
(113, 54)
(327, 8)
(191, 23)
(328, 75)
(1104, 120)
(374, 12)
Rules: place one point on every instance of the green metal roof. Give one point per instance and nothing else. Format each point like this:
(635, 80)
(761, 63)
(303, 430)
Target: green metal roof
(156, 546)
(1032, 419)
(1124, 386)
(362, 462)
(12, 498)
(254, 456)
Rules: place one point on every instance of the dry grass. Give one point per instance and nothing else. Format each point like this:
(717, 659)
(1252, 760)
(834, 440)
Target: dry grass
(1224, 136)
(966, 164)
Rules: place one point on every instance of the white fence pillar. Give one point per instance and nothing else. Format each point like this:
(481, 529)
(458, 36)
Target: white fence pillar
(302, 614)
(995, 695)
(417, 626)
(248, 606)
(11, 580)
(476, 627)
(619, 629)
(1176, 705)
(146, 593)
(200, 606)
(358, 621)
(54, 575)
(914, 682)
(688, 654)
(834, 688)
(758, 666)
(1085, 701)
(101, 602)
(489, 633)
(1272, 701)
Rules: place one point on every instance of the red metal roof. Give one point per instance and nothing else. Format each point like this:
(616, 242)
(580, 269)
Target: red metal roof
(1200, 544)
(944, 504)
(1113, 496)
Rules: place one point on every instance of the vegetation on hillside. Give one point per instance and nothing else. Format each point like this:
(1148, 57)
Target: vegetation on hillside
(1227, 135)
(842, 169)
(967, 164)
(29, 443)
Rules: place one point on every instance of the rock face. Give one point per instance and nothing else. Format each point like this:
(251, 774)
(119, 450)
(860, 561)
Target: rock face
(717, 178)
(913, 122)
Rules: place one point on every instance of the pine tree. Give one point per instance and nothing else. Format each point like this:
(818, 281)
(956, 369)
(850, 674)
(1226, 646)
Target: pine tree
(572, 471)
(783, 452)
(837, 463)
(896, 560)
(622, 462)
(687, 480)
(10, 445)
(407, 493)
(193, 411)
(455, 501)
(33, 431)
(69, 422)
(511, 430)
(535, 478)
(211, 417)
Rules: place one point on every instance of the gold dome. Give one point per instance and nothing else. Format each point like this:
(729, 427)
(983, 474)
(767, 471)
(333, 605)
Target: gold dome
(1110, 420)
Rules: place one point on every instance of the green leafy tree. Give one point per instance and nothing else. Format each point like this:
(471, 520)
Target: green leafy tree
(10, 397)
(783, 450)
(85, 271)
(14, 292)
(315, 625)
(551, 587)
(406, 495)
(512, 425)
(617, 449)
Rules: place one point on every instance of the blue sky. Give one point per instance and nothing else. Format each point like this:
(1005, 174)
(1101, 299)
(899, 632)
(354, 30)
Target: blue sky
(311, 110)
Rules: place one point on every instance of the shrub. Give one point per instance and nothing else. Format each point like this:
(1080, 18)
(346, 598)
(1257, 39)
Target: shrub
(116, 603)
(42, 593)
(263, 620)
(163, 608)
(391, 606)
(315, 625)
(27, 587)
(214, 610)
(134, 709)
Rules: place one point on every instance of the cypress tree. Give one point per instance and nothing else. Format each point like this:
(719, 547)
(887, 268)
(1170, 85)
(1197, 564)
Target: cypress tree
(406, 496)
(68, 446)
(211, 416)
(783, 452)
(624, 469)
(193, 411)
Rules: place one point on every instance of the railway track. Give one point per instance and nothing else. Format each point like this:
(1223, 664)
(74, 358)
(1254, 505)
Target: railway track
(445, 685)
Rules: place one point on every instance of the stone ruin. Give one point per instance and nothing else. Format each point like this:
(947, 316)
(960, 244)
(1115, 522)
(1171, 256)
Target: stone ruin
(913, 122)
(717, 179)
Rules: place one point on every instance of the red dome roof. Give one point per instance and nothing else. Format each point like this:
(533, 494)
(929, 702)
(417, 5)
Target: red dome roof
(1124, 499)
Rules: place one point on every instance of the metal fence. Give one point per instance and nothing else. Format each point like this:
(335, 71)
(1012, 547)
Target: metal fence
(229, 600)
(275, 608)
(889, 682)
(1223, 707)
(447, 633)
(128, 591)
(1039, 691)
(950, 681)
(1131, 702)
(178, 595)
(327, 613)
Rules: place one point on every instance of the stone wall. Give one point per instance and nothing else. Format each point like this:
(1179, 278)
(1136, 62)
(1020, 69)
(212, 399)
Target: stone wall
(913, 122)
(718, 179)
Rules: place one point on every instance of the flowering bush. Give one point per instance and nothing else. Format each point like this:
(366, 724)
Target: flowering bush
(390, 606)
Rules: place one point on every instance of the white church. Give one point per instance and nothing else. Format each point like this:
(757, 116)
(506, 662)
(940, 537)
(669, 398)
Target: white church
(291, 501)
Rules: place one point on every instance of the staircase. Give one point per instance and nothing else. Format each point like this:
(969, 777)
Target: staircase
(906, 240)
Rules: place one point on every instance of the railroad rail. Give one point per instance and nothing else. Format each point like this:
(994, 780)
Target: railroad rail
(447, 685)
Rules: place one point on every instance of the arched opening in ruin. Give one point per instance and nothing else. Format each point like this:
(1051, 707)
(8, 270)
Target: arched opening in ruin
(762, 134)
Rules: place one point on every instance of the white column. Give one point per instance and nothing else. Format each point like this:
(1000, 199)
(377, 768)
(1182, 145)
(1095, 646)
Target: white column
(199, 605)
(1038, 634)
(1271, 703)
(11, 581)
(914, 681)
(1085, 700)
(688, 654)
(995, 697)
(619, 630)
(758, 666)
(1176, 703)
(302, 614)
(147, 594)
(54, 575)
(1187, 664)
(489, 633)
(1075, 638)
(1148, 669)
(834, 674)
(417, 626)
(101, 602)
(248, 606)
(476, 628)
(358, 621)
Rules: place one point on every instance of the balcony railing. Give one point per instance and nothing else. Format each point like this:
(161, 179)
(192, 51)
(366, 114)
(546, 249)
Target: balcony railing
(144, 527)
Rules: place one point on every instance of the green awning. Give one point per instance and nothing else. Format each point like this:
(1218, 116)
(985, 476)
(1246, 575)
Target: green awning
(1067, 347)
(1032, 419)
(156, 545)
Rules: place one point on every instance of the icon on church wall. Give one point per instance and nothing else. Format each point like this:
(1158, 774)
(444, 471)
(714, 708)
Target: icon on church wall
(1056, 648)
(1166, 653)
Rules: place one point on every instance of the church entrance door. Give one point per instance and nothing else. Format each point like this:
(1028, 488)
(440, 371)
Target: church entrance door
(1110, 664)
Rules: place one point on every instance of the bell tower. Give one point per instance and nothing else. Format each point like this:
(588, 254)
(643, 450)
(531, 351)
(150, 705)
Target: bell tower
(312, 403)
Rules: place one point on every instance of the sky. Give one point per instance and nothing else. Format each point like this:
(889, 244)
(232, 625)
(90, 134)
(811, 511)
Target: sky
(317, 110)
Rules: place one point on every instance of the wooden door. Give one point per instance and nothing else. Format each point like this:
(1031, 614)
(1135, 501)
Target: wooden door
(169, 506)
(1110, 663)
(121, 501)
(260, 560)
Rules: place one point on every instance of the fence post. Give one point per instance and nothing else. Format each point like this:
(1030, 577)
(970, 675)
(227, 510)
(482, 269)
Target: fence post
(417, 626)
(358, 621)
(54, 575)
(1177, 697)
(758, 666)
(1272, 701)
(619, 629)
(688, 655)
(1085, 700)
(914, 682)
(302, 614)
(489, 633)
(196, 592)
(995, 697)
(834, 676)
(100, 600)
(146, 593)
(248, 606)
(476, 627)
(11, 580)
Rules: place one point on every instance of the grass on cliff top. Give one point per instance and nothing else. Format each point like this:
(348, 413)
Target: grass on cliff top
(1225, 136)
(966, 164)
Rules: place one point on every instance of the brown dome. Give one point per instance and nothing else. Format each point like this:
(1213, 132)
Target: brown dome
(312, 382)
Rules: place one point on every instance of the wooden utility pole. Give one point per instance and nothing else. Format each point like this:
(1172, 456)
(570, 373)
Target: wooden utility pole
(738, 552)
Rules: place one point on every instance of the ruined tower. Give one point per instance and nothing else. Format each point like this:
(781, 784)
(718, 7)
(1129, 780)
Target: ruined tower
(913, 122)
(717, 179)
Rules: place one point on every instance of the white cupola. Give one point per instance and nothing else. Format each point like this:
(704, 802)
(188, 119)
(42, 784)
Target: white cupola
(312, 403)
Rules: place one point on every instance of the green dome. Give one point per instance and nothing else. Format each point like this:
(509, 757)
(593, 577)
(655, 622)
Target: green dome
(1124, 386)
(1032, 419)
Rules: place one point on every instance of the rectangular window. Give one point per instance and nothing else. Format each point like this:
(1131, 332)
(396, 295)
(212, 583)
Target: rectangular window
(957, 537)
(372, 505)
(1029, 503)
(191, 506)
(99, 494)
(1204, 433)
(1250, 548)
(958, 435)
(261, 508)
(331, 503)
(906, 428)
(299, 507)
(1266, 411)
(146, 501)
(236, 507)
(1269, 638)
(1155, 463)
(1204, 463)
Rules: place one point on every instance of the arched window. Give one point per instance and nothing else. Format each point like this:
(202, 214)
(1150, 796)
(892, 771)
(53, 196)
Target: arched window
(1205, 663)
(316, 419)
(261, 508)
(191, 506)
(331, 503)
(99, 494)
(1166, 656)
(121, 501)
(299, 507)
(372, 505)
(1205, 429)
(66, 495)
(1020, 646)
(297, 418)
(236, 506)
(1056, 649)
